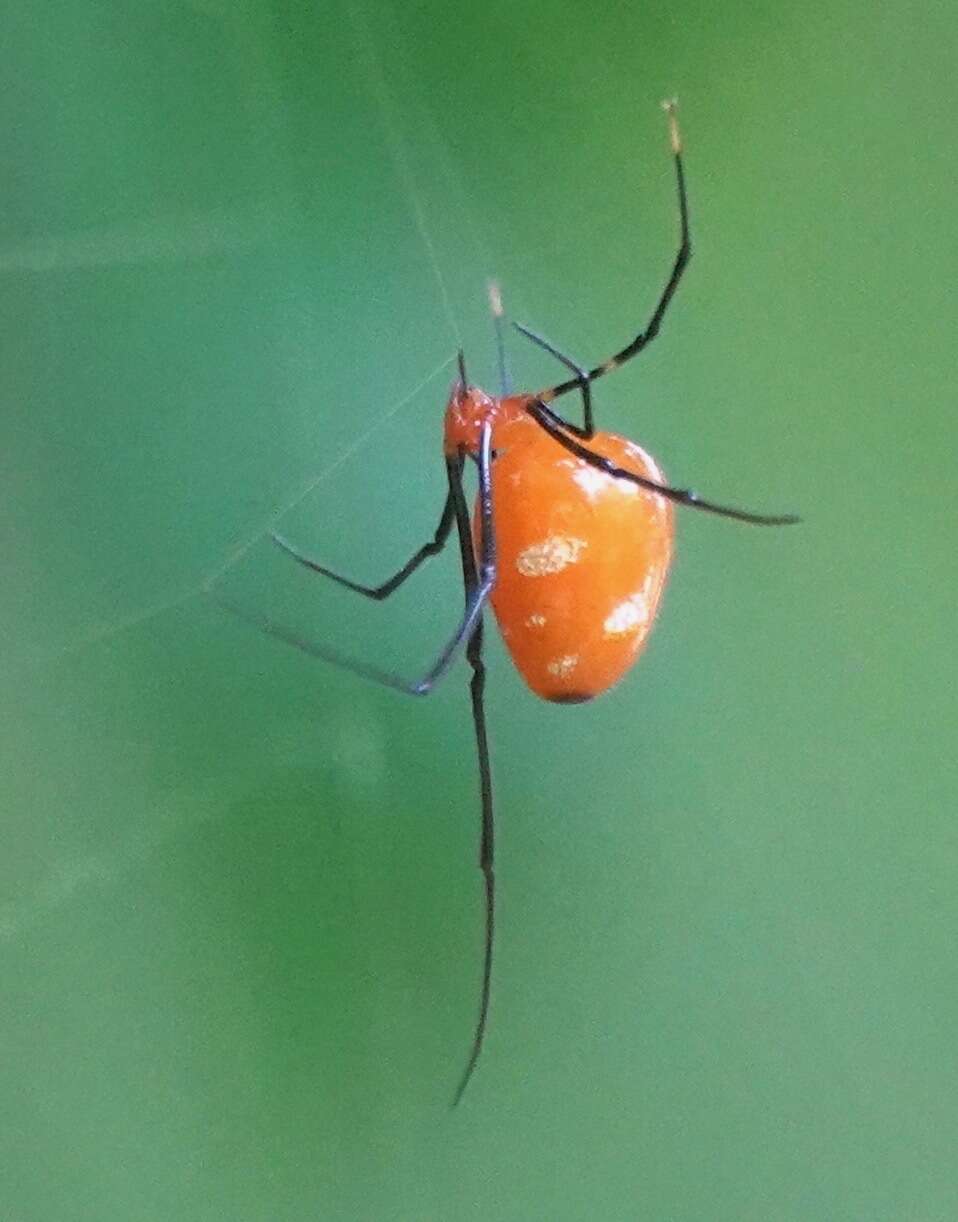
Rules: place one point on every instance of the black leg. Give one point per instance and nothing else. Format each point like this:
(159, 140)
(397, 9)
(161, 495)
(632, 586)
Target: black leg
(486, 849)
(432, 548)
(582, 381)
(475, 601)
(682, 496)
(477, 581)
(476, 688)
(681, 261)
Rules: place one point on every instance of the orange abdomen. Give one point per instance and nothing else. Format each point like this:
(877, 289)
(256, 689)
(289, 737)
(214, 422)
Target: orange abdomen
(582, 560)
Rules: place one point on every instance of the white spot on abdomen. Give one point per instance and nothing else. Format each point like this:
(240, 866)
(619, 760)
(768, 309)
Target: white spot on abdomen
(552, 555)
(629, 616)
(564, 666)
(593, 483)
(536, 621)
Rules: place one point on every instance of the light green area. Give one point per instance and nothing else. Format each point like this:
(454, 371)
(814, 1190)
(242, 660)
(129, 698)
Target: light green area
(240, 920)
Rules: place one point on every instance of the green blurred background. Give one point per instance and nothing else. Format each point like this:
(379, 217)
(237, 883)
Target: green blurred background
(240, 920)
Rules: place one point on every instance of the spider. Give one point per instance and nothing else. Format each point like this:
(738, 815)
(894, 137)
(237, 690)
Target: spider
(570, 541)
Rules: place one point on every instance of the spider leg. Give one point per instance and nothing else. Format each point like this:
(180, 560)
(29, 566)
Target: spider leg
(682, 496)
(681, 262)
(478, 580)
(582, 380)
(476, 598)
(473, 579)
(432, 548)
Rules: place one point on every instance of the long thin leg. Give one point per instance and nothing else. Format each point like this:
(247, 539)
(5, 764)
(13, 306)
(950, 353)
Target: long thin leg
(683, 496)
(582, 381)
(486, 849)
(478, 581)
(476, 690)
(432, 548)
(681, 261)
(471, 615)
